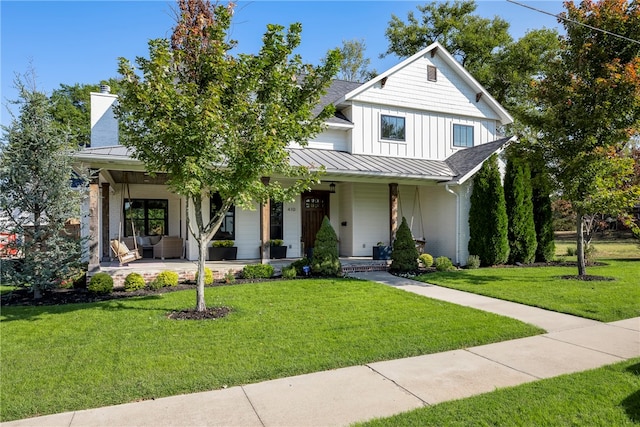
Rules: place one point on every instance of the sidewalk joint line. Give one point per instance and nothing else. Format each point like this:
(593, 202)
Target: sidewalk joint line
(72, 417)
(470, 350)
(255, 411)
(424, 402)
(586, 348)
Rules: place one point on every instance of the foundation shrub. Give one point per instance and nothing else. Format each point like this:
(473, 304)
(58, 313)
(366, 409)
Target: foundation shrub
(165, 279)
(101, 283)
(208, 276)
(426, 260)
(444, 264)
(133, 282)
(257, 271)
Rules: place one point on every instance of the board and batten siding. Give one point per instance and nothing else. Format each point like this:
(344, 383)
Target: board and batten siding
(331, 139)
(370, 218)
(428, 135)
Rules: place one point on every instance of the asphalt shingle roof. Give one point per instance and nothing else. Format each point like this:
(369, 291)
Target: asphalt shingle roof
(465, 161)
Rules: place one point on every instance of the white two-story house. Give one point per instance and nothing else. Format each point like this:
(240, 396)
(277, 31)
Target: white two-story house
(404, 144)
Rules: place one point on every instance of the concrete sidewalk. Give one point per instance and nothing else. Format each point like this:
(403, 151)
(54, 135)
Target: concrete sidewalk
(343, 396)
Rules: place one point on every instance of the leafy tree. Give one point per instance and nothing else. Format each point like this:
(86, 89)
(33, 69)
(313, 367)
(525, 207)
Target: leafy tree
(519, 204)
(215, 122)
(488, 223)
(325, 260)
(354, 66)
(36, 194)
(70, 109)
(483, 46)
(589, 109)
(404, 255)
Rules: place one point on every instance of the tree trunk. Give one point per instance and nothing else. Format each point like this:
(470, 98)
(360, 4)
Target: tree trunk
(580, 244)
(202, 257)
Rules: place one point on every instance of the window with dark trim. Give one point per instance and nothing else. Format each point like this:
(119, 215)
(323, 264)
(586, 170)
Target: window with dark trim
(150, 217)
(227, 230)
(392, 127)
(276, 221)
(462, 136)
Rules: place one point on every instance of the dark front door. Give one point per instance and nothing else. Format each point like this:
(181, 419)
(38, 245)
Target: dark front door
(315, 205)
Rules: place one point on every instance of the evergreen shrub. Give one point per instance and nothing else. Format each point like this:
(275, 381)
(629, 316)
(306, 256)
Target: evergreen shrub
(101, 283)
(518, 200)
(488, 223)
(325, 260)
(426, 260)
(404, 255)
(289, 272)
(257, 271)
(208, 276)
(444, 264)
(473, 262)
(165, 279)
(133, 282)
(300, 264)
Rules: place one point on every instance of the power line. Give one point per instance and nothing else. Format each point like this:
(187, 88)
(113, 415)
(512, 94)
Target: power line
(573, 21)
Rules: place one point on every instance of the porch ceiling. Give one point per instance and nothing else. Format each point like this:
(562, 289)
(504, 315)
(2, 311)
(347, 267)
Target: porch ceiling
(137, 177)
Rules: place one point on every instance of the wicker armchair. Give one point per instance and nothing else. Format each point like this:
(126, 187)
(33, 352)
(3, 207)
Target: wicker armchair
(168, 247)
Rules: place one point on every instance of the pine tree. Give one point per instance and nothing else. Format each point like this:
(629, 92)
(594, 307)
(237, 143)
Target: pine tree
(488, 222)
(36, 194)
(404, 256)
(518, 200)
(325, 260)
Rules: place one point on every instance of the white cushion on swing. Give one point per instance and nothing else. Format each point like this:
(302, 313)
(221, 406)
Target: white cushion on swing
(144, 241)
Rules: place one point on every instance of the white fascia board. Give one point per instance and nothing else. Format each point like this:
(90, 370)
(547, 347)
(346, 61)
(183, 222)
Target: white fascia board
(340, 126)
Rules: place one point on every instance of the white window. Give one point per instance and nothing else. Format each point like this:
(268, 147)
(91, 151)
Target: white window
(462, 136)
(392, 127)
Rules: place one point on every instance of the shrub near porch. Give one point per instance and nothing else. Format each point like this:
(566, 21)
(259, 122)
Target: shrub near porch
(91, 355)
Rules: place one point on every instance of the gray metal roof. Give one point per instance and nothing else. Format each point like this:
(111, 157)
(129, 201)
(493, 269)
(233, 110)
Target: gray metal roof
(373, 166)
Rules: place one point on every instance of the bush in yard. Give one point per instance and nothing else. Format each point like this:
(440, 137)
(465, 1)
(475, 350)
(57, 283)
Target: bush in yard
(444, 264)
(325, 260)
(473, 262)
(518, 199)
(289, 272)
(101, 283)
(229, 277)
(165, 279)
(404, 255)
(426, 260)
(208, 276)
(488, 223)
(257, 271)
(543, 216)
(133, 282)
(299, 265)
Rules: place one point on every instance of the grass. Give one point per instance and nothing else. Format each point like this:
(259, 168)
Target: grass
(63, 358)
(608, 396)
(611, 249)
(543, 287)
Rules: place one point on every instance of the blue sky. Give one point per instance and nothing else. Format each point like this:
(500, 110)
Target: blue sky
(79, 41)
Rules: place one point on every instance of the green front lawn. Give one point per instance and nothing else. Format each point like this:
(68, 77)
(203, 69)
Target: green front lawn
(608, 396)
(62, 358)
(606, 301)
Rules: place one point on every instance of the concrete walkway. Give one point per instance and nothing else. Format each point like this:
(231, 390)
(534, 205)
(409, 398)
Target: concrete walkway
(344, 396)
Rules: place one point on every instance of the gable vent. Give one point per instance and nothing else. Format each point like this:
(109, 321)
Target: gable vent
(432, 73)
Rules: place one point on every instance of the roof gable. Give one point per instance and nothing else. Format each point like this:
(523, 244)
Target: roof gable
(437, 53)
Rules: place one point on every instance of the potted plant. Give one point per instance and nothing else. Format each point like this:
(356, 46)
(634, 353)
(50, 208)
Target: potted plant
(222, 250)
(278, 249)
(381, 251)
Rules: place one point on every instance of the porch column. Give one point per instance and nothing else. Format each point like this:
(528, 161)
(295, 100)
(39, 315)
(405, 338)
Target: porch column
(393, 211)
(94, 225)
(265, 210)
(106, 256)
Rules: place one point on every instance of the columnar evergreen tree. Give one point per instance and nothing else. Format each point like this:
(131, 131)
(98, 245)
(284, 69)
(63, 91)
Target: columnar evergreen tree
(543, 216)
(216, 122)
(36, 194)
(325, 260)
(488, 223)
(404, 255)
(519, 204)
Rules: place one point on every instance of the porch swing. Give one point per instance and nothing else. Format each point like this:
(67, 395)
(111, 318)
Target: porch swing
(420, 242)
(119, 248)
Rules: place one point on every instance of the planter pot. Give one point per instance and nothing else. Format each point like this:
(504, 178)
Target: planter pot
(219, 254)
(382, 252)
(278, 252)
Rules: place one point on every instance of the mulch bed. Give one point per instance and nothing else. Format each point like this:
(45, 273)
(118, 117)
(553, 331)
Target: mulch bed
(211, 313)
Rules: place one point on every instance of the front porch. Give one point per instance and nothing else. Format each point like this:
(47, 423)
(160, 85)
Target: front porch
(149, 268)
